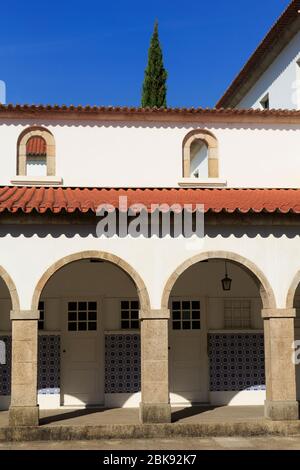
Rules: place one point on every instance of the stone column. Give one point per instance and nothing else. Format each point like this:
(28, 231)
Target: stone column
(155, 405)
(281, 403)
(23, 408)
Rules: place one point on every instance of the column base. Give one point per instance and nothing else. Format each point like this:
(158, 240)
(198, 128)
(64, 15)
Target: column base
(24, 416)
(282, 410)
(155, 413)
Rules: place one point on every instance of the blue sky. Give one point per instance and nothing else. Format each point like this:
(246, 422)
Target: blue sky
(95, 52)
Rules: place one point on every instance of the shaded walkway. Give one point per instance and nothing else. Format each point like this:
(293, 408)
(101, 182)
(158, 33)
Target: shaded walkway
(123, 423)
(129, 416)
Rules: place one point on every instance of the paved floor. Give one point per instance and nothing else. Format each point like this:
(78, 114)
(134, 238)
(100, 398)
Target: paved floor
(195, 414)
(217, 443)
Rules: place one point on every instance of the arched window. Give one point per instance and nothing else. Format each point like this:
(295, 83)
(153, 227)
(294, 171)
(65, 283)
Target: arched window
(200, 155)
(36, 153)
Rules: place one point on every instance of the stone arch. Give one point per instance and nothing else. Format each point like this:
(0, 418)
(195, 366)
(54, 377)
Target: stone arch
(213, 155)
(266, 291)
(21, 149)
(114, 259)
(292, 291)
(11, 287)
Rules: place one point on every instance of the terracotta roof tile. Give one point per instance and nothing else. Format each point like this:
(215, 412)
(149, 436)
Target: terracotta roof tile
(36, 145)
(82, 200)
(15, 110)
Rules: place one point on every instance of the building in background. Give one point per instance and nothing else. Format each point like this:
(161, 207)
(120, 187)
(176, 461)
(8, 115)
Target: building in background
(271, 77)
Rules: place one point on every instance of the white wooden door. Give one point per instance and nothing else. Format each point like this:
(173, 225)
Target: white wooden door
(82, 352)
(188, 358)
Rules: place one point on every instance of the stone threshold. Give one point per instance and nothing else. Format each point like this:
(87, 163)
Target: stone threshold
(204, 429)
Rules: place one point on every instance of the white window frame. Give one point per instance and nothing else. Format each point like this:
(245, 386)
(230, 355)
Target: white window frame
(181, 319)
(87, 321)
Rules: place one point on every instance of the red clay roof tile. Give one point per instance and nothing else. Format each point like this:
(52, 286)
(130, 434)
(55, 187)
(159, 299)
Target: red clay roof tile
(125, 112)
(36, 145)
(60, 200)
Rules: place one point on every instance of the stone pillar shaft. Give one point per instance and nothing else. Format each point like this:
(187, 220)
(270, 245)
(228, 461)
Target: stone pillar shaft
(281, 402)
(24, 409)
(155, 405)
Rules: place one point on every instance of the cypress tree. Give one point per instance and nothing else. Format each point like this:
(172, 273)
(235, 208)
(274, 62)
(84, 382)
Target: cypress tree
(154, 86)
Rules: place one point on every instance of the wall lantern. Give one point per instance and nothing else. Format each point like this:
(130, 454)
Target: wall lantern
(226, 282)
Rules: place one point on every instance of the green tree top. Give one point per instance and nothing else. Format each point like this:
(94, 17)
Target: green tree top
(154, 86)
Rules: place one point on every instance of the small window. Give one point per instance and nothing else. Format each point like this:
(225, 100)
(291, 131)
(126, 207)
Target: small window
(130, 314)
(199, 159)
(265, 103)
(186, 315)
(237, 314)
(41, 322)
(36, 153)
(82, 316)
(200, 155)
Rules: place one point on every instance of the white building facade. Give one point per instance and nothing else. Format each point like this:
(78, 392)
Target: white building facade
(146, 313)
(131, 320)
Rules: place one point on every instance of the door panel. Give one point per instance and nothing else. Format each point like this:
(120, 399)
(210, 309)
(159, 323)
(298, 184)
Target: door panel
(188, 360)
(83, 350)
(82, 354)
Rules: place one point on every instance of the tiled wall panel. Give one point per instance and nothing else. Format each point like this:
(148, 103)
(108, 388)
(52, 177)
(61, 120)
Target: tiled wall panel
(49, 364)
(122, 363)
(237, 362)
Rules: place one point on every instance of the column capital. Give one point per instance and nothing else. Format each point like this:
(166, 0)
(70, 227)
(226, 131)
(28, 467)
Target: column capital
(278, 313)
(24, 314)
(159, 314)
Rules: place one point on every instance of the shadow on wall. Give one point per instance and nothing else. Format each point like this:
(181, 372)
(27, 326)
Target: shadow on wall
(71, 230)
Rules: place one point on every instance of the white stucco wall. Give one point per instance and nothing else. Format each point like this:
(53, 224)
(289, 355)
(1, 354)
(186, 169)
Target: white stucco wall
(280, 80)
(110, 284)
(150, 155)
(26, 253)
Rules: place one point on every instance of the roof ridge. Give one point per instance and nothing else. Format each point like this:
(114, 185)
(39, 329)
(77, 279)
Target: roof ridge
(288, 16)
(97, 109)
